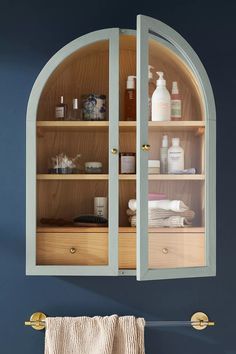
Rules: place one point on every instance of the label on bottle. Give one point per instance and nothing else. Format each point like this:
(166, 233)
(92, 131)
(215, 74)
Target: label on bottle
(127, 164)
(176, 109)
(163, 110)
(60, 112)
(175, 161)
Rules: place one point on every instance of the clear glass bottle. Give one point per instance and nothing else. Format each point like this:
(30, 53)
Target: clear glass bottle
(61, 110)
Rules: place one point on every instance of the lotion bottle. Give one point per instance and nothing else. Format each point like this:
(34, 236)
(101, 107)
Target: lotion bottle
(161, 100)
(151, 89)
(175, 156)
(130, 99)
(176, 103)
(164, 155)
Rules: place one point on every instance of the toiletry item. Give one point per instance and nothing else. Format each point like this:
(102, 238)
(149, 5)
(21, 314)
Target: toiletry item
(100, 206)
(188, 171)
(127, 162)
(164, 155)
(61, 110)
(176, 104)
(74, 114)
(151, 89)
(90, 221)
(156, 196)
(161, 100)
(62, 164)
(175, 156)
(153, 167)
(93, 107)
(93, 167)
(130, 99)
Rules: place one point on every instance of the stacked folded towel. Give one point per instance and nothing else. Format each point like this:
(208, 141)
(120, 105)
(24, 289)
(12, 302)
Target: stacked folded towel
(163, 213)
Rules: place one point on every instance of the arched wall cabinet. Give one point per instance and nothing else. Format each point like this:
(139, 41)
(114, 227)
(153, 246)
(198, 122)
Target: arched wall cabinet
(100, 62)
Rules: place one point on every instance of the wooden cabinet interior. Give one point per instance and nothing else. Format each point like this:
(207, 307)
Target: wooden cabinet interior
(66, 196)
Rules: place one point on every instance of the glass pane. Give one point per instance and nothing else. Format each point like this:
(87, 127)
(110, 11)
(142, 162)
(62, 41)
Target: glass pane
(176, 187)
(73, 161)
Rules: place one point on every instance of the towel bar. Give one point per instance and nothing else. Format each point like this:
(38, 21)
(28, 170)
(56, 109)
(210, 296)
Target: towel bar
(199, 321)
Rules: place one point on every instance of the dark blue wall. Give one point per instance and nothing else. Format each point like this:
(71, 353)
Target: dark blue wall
(30, 33)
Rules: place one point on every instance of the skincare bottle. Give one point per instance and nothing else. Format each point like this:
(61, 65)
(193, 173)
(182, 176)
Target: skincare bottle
(75, 114)
(164, 155)
(175, 156)
(130, 99)
(161, 100)
(61, 110)
(151, 89)
(176, 103)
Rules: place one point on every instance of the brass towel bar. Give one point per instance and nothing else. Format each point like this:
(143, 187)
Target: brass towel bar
(199, 321)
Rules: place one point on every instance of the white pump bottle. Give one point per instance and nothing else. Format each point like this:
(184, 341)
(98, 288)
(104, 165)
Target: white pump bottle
(161, 101)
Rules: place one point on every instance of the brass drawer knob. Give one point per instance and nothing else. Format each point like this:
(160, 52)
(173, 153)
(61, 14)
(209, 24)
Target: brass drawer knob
(114, 151)
(165, 250)
(73, 250)
(146, 147)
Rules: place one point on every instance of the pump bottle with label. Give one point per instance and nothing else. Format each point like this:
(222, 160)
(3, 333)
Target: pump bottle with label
(130, 99)
(161, 102)
(151, 89)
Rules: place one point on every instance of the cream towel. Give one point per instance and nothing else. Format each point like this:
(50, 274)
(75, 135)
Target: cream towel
(94, 335)
(174, 205)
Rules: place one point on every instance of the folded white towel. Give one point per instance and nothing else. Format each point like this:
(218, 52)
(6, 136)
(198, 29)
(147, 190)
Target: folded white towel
(174, 205)
(172, 221)
(95, 335)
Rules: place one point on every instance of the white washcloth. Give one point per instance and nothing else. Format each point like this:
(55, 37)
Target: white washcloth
(174, 205)
(95, 335)
(172, 221)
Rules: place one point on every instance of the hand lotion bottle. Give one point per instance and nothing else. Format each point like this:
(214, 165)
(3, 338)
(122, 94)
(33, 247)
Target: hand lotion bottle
(175, 156)
(161, 102)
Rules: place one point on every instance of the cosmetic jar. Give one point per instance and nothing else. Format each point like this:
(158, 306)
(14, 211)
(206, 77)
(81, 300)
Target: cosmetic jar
(93, 167)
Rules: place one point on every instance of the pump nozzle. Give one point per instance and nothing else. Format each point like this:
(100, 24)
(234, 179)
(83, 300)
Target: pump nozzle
(131, 82)
(150, 74)
(161, 81)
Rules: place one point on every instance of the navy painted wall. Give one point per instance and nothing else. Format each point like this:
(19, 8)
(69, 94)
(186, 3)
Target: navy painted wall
(30, 33)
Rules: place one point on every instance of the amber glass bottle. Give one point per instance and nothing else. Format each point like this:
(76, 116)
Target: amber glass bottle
(130, 99)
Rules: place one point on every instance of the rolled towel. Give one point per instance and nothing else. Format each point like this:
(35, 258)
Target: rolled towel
(172, 221)
(154, 214)
(174, 205)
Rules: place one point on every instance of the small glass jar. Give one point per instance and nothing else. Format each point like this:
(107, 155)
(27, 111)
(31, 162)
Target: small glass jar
(93, 167)
(127, 162)
(153, 167)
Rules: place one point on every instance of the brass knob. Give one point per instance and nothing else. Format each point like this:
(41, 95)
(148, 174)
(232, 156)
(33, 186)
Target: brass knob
(114, 151)
(146, 147)
(165, 250)
(73, 250)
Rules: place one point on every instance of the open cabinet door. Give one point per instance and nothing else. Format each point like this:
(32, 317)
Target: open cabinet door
(165, 250)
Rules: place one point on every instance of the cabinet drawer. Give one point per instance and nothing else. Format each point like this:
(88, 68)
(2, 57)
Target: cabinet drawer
(176, 250)
(72, 249)
(166, 250)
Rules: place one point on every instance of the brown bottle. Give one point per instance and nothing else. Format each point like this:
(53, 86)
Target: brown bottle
(130, 99)
(61, 110)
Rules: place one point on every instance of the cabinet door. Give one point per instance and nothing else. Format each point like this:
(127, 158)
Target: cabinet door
(164, 249)
(87, 65)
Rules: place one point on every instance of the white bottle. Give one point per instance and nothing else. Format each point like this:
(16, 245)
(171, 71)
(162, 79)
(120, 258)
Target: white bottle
(175, 156)
(161, 103)
(164, 155)
(151, 89)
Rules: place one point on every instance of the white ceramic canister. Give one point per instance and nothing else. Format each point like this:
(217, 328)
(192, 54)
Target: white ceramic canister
(100, 206)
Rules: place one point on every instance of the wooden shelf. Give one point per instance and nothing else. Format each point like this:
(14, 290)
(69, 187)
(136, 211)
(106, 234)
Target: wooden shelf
(125, 126)
(95, 177)
(71, 229)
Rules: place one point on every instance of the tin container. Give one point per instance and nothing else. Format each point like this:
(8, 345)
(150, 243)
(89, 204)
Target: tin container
(94, 107)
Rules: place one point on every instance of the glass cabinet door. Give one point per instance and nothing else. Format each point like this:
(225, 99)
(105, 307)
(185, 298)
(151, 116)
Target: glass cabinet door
(74, 172)
(175, 206)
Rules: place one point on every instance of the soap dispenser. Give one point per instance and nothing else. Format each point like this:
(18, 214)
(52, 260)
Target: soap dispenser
(130, 99)
(161, 102)
(151, 89)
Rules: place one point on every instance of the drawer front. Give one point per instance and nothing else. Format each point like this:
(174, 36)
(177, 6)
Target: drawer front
(166, 250)
(176, 250)
(72, 249)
